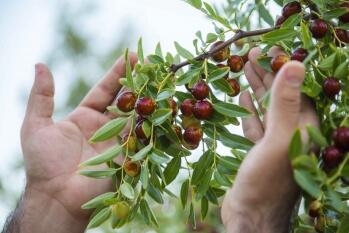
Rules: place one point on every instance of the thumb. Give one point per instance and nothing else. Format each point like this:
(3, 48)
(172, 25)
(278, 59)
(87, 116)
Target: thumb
(286, 99)
(40, 104)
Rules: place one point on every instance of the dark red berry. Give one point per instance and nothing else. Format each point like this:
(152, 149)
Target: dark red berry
(280, 20)
(139, 131)
(235, 63)
(222, 54)
(132, 168)
(145, 106)
(223, 66)
(291, 9)
(235, 86)
(278, 61)
(331, 87)
(203, 110)
(315, 209)
(173, 106)
(341, 138)
(187, 107)
(319, 28)
(345, 18)
(200, 90)
(126, 101)
(342, 35)
(332, 157)
(299, 55)
(192, 135)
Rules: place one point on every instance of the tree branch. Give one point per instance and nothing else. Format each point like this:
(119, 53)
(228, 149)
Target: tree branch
(239, 35)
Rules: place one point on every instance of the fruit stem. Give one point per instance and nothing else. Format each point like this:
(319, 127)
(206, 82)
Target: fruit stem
(239, 35)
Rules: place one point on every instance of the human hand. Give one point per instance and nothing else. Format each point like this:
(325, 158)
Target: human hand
(53, 150)
(264, 193)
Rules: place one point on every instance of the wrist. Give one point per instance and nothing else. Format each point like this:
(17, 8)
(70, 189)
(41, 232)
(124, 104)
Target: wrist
(38, 212)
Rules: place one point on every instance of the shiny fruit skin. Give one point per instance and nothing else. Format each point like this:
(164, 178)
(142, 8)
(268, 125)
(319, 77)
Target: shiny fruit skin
(280, 20)
(235, 86)
(121, 209)
(299, 54)
(131, 143)
(341, 138)
(132, 168)
(187, 107)
(332, 157)
(139, 131)
(235, 63)
(173, 106)
(331, 87)
(223, 66)
(190, 146)
(222, 54)
(291, 9)
(345, 18)
(190, 121)
(319, 28)
(192, 135)
(203, 110)
(200, 90)
(126, 101)
(315, 209)
(278, 61)
(145, 106)
(342, 35)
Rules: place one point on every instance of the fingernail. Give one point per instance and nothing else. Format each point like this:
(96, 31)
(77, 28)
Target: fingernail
(295, 76)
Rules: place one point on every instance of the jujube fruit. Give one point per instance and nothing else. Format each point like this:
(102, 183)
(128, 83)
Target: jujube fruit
(280, 20)
(222, 54)
(235, 63)
(126, 101)
(332, 157)
(187, 107)
(131, 142)
(299, 54)
(345, 18)
(139, 131)
(121, 209)
(278, 61)
(200, 90)
(342, 35)
(341, 138)
(173, 106)
(291, 9)
(318, 28)
(331, 87)
(192, 135)
(132, 168)
(145, 106)
(315, 209)
(203, 110)
(235, 86)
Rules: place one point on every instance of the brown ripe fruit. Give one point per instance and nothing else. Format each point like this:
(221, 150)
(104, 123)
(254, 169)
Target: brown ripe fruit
(173, 106)
(235, 63)
(203, 110)
(145, 106)
(280, 20)
(278, 61)
(342, 35)
(345, 18)
(235, 86)
(131, 144)
(187, 107)
(126, 101)
(245, 57)
(139, 131)
(319, 28)
(190, 121)
(222, 54)
(200, 90)
(223, 66)
(121, 209)
(192, 135)
(315, 209)
(332, 157)
(291, 9)
(132, 168)
(331, 87)
(299, 54)
(190, 146)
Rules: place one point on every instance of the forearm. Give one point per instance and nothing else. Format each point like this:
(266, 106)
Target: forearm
(37, 212)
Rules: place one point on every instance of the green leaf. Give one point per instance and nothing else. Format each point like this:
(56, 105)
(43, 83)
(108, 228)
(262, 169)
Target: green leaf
(172, 169)
(222, 85)
(306, 36)
(307, 182)
(344, 224)
(97, 201)
(328, 63)
(204, 183)
(129, 71)
(231, 110)
(234, 141)
(195, 3)
(158, 50)
(108, 155)
(264, 13)
(165, 94)
(147, 213)
(204, 208)
(127, 190)
(342, 71)
(145, 177)
(335, 13)
(184, 193)
(264, 62)
(188, 76)
(192, 218)
(316, 135)
(211, 37)
(201, 167)
(218, 74)
(99, 174)
(109, 130)
(142, 153)
(158, 157)
(155, 59)
(295, 147)
(140, 54)
(99, 218)
(160, 116)
(183, 52)
(279, 35)
(155, 193)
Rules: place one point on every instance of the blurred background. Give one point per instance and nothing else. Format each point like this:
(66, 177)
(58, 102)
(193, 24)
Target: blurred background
(79, 40)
